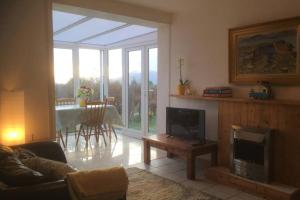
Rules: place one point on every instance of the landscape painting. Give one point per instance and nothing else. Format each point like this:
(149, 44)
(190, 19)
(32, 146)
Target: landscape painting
(265, 52)
(271, 53)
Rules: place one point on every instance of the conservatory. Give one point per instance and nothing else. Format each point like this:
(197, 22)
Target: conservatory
(110, 58)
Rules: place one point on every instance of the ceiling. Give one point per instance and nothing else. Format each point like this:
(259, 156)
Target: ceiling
(80, 29)
(171, 6)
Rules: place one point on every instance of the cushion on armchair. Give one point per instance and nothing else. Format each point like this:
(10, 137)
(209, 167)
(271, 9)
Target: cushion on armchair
(14, 173)
(20, 167)
(46, 190)
(5, 151)
(53, 170)
(106, 184)
(23, 154)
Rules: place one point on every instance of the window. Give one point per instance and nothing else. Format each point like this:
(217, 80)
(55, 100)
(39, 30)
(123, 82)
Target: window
(115, 76)
(89, 70)
(63, 70)
(134, 89)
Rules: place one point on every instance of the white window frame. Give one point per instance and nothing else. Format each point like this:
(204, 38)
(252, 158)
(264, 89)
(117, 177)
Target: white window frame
(104, 78)
(75, 61)
(144, 47)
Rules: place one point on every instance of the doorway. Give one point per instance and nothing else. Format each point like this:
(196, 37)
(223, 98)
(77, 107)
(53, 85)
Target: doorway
(115, 59)
(135, 86)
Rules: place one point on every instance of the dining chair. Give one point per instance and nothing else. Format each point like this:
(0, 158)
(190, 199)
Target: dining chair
(111, 100)
(109, 127)
(60, 133)
(59, 137)
(92, 121)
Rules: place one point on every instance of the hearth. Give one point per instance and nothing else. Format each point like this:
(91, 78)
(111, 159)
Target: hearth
(250, 152)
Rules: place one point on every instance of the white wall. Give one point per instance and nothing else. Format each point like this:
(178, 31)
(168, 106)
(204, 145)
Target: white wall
(199, 33)
(25, 61)
(163, 79)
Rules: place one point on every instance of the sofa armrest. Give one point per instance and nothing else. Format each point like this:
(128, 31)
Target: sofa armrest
(49, 149)
(57, 190)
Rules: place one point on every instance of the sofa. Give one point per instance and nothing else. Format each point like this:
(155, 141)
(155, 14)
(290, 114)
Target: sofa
(47, 191)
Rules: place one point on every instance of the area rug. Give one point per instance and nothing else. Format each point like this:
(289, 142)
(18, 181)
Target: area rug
(144, 185)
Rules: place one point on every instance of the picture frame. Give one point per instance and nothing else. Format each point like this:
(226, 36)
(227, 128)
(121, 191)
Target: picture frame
(265, 52)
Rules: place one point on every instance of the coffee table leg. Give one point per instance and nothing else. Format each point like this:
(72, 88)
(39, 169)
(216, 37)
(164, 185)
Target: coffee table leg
(147, 152)
(170, 155)
(190, 166)
(214, 158)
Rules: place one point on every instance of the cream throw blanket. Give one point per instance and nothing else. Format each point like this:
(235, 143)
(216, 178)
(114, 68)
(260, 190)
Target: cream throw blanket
(98, 183)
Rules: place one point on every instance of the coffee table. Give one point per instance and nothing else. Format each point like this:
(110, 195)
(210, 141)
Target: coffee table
(186, 149)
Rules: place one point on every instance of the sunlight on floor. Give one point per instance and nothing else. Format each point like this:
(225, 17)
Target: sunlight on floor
(125, 152)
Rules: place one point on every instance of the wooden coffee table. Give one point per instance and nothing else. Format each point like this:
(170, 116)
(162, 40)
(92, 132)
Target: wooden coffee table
(185, 149)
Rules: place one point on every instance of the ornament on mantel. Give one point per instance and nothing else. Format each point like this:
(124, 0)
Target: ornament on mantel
(262, 91)
(182, 86)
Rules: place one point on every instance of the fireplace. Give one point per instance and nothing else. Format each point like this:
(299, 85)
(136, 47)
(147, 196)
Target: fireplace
(250, 152)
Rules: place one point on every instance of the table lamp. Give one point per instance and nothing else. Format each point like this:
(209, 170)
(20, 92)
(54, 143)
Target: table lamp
(12, 120)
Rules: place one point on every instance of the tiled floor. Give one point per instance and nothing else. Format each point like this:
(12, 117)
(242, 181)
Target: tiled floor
(128, 152)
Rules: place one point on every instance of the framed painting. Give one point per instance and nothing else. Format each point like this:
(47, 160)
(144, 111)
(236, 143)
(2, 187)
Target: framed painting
(265, 52)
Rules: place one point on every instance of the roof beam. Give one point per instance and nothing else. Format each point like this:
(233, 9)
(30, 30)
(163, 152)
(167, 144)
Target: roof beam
(103, 33)
(113, 43)
(72, 25)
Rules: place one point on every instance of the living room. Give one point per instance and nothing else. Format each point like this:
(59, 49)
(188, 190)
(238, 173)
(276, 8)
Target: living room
(193, 31)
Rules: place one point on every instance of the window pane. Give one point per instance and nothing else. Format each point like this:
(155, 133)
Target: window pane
(63, 73)
(115, 76)
(134, 90)
(63, 19)
(89, 70)
(152, 90)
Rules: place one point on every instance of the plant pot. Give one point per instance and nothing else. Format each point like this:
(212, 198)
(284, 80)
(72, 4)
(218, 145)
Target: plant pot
(180, 89)
(82, 103)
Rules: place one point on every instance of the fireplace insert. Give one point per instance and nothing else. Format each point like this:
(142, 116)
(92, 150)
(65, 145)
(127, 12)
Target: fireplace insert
(250, 152)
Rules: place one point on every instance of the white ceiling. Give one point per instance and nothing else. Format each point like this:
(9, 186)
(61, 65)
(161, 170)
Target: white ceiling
(76, 28)
(172, 6)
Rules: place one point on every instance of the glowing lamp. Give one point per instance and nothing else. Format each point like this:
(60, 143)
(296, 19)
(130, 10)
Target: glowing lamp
(12, 122)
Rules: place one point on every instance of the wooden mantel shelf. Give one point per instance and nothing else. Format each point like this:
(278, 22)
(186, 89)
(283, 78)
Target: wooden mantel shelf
(240, 100)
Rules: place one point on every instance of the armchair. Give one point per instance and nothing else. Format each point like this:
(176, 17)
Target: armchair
(57, 190)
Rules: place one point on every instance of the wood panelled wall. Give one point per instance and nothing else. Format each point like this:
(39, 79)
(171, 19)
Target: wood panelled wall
(284, 119)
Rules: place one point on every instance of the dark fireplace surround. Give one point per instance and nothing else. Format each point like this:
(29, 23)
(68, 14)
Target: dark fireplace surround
(251, 152)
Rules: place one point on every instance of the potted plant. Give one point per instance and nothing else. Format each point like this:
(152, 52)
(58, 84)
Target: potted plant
(84, 93)
(182, 84)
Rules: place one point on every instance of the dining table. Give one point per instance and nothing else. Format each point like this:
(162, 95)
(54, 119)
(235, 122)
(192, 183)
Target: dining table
(68, 116)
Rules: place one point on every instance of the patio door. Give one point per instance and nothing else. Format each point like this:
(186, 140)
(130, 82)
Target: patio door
(140, 91)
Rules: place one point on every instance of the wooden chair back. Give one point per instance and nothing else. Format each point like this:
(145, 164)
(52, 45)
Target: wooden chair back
(111, 100)
(65, 101)
(95, 112)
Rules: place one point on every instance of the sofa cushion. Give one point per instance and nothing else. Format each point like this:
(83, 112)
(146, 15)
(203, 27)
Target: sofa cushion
(5, 151)
(52, 170)
(14, 173)
(108, 183)
(3, 186)
(22, 153)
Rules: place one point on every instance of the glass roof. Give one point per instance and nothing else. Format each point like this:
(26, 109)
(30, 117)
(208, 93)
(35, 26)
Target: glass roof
(72, 28)
(119, 35)
(63, 19)
(87, 29)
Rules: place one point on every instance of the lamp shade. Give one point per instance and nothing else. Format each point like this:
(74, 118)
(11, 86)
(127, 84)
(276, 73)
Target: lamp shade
(12, 120)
